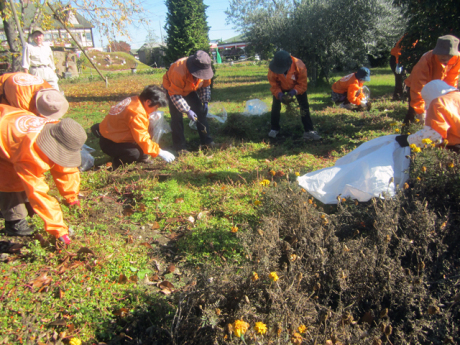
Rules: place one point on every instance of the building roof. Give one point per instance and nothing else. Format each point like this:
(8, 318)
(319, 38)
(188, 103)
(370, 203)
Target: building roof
(236, 39)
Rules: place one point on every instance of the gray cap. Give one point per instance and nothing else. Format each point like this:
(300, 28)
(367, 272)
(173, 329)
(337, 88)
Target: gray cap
(37, 29)
(446, 45)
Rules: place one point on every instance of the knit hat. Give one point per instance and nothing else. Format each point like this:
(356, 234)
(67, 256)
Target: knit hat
(51, 103)
(199, 65)
(62, 142)
(434, 89)
(281, 62)
(446, 45)
(363, 74)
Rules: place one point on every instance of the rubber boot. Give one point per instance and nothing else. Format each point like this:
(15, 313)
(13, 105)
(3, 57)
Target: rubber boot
(18, 228)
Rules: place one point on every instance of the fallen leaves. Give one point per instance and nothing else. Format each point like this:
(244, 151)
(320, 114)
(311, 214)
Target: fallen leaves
(41, 282)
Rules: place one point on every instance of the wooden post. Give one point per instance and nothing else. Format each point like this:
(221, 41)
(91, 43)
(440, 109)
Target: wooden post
(78, 44)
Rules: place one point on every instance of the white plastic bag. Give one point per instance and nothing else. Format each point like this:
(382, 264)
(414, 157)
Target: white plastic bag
(362, 174)
(158, 126)
(255, 107)
(87, 160)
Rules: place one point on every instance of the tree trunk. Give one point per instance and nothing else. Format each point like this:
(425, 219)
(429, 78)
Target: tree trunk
(12, 36)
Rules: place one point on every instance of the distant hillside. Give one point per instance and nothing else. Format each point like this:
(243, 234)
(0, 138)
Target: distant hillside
(118, 61)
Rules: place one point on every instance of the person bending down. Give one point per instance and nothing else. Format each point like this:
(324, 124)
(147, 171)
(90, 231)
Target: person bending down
(348, 91)
(124, 133)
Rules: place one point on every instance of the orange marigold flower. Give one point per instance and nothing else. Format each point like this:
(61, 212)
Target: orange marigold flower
(260, 328)
(240, 327)
(273, 276)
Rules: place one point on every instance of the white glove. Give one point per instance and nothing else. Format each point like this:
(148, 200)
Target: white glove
(167, 156)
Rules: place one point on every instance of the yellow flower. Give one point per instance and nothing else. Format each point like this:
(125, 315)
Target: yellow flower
(393, 124)
(240, 327)
(296, 339)
(424, 169)
(257, 202)
(273, 276)
(427, 141)
(297, 173)
(260, 328)
(234, 229)
(397, 130)
(75, 341)
(408, 133)
(265, 182)
(418, 178)
(303, 190)
(446, 142)
(412, 146)
(254, 277)
(302, 329)
(451, 165)
(417, 120)
(272, 172)
(417, 150)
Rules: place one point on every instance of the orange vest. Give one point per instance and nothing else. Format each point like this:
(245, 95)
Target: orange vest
(396, 50)
(429, 68)
(179, 81)
(19, 89)
(23, 165)
(443, 115)
(128, 122)
(296, 78)
(350, 85)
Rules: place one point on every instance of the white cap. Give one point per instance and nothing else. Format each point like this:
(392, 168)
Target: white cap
(434, 89)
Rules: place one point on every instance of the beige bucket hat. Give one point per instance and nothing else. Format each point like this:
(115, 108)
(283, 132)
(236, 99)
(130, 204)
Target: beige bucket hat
(62, 142)
(51, 103)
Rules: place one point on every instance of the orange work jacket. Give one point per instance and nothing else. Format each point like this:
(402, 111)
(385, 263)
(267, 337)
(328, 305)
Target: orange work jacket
(179, 81)
(296, 78)
(352, 87)
(443, 115)
(429, 68)
(19, 89)
(396, 50)
(23, 165)
(128, 122)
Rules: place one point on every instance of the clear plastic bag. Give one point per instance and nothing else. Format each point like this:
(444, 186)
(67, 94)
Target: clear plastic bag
(87, 160)
(158, 126)
(367, 94)
(221, 113)
(399, 69)
(255, 107)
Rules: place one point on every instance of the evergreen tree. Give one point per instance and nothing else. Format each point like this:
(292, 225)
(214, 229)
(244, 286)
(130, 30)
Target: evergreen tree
(186, 27)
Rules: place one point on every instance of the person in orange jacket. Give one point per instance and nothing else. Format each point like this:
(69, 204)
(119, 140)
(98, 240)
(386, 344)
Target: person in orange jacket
(442, 122)
(397, 70)
(29, 147)
(124, 132)
(32, 93)
(348, 91)
(288, 75)
(188, 82)
(443, 62)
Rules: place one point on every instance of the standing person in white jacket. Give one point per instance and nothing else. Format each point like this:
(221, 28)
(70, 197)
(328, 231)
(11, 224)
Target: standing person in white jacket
(38, 59)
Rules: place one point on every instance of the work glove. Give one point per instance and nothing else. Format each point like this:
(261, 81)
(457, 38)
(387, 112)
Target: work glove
(205, 107)
(191, 115)
(75, 203)
(65, 239)
(280, 96)
(167, 156)
(292, 93)
(402, 140)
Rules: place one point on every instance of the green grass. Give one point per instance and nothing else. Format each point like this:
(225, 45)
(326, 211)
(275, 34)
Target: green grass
(182, 213)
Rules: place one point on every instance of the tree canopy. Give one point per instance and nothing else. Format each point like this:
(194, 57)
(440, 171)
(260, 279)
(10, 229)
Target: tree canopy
(427, 20)
(187, 28)
(325, 34)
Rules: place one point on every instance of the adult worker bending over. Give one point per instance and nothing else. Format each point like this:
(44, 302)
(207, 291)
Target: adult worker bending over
(32, 93)
(348, 91)
(188, 82)
(29, 147)
(125, 130)
(443, 62)
(288, 74)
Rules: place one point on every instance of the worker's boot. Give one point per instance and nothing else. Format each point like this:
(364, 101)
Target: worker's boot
(18, 228)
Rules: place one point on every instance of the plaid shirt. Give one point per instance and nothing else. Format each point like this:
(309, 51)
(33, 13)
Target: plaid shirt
(181, 104)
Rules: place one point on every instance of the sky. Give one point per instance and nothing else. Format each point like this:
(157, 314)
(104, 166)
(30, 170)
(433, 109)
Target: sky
(157, 8)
